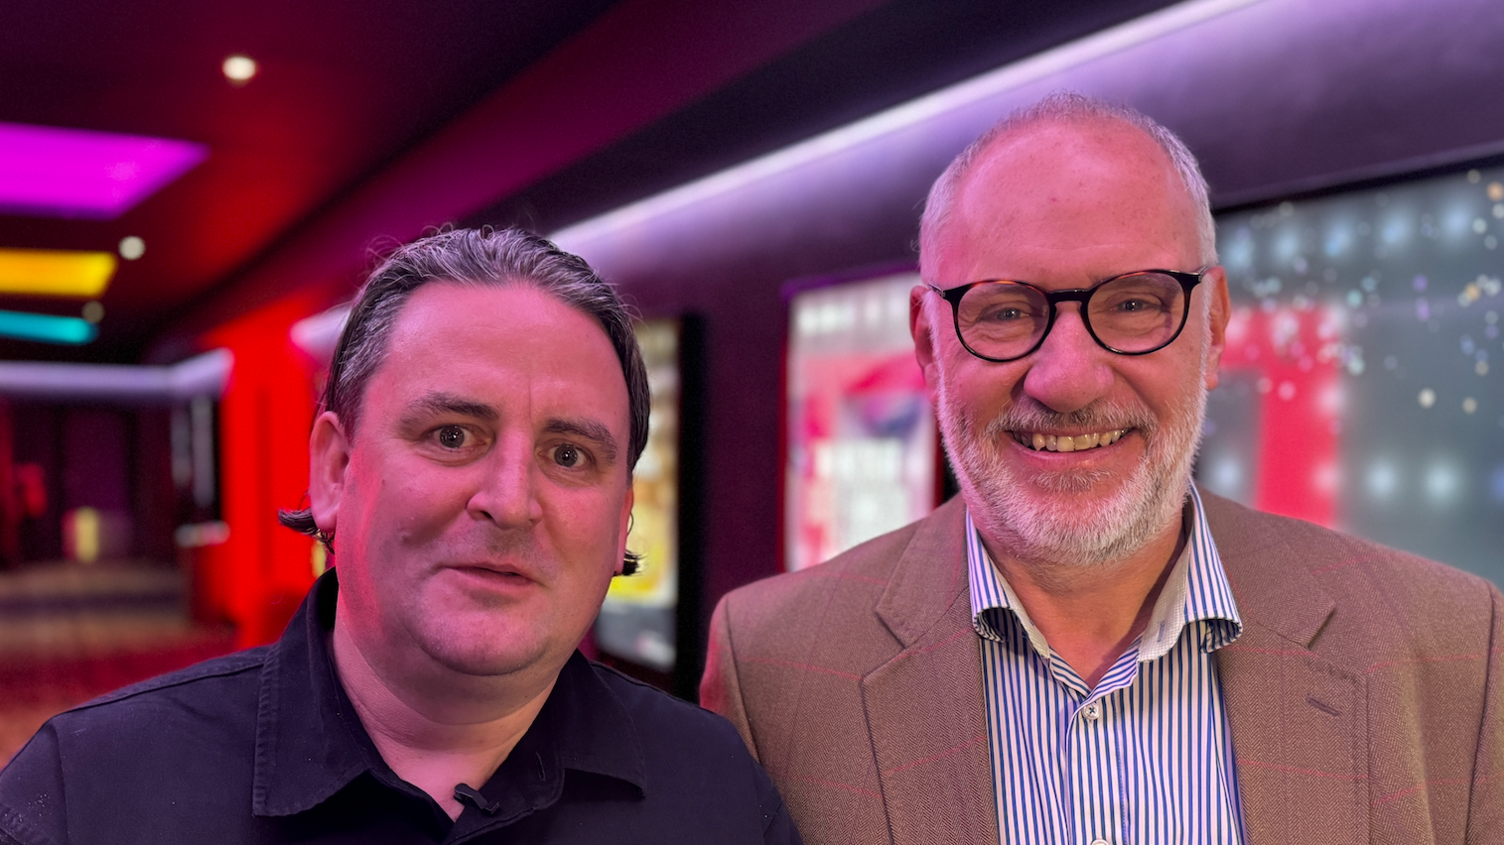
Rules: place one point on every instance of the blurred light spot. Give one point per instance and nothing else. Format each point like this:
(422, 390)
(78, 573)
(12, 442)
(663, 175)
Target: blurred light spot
(1382, 480)
(1286, 390)
(1264, 384)
(93, 311)
(1419, 283)
(1442, 482)
(1327, 477)
(239, 69)
(1395, 230)
(1496, 485)
(1288, 245)
(1330, 400)
(1469, 405)
(1473, 176)
(1481, 368)
(1227, 474)
(1427, 398)
(1495, 191)
(132, 247)
(1480, 225)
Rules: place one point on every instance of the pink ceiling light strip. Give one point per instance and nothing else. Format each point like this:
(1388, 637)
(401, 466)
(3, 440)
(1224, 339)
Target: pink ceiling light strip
(53, 172)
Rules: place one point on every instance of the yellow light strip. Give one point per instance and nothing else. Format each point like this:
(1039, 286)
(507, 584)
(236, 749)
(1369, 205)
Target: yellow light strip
(54, 272)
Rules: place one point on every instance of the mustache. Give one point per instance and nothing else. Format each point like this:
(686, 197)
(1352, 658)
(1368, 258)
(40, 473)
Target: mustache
(1029, 415)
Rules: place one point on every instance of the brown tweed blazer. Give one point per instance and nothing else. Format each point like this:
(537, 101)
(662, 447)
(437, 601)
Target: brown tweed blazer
(1364, 695)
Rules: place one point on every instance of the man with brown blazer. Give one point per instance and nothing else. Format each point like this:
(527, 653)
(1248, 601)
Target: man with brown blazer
(1082, 648)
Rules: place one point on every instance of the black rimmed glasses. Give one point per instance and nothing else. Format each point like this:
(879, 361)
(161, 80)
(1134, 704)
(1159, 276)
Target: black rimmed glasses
(1132, 314)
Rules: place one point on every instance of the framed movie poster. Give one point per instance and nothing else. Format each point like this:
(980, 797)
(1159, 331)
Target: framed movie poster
(638, 621)
(861, 458)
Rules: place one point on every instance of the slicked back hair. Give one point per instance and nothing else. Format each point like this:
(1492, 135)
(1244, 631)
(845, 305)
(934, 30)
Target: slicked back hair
(473, 257)
(1063, 108)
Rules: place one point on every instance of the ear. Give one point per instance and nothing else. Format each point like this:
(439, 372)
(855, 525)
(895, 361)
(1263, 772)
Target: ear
(922, 330)
(1218, 313)
(328, 463)
(626, 525)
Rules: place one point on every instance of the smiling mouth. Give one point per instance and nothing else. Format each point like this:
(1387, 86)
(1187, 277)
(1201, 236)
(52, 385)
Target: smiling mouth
(1065, 442)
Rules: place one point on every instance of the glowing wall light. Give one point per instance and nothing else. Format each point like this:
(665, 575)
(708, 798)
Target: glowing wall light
(52, 272)
(46, 170)
(46, 328)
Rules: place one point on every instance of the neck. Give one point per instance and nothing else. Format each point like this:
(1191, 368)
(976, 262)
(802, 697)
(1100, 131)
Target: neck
(1091, 614)
(434, 727)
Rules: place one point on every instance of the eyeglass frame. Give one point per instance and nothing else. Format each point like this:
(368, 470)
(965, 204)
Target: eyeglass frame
(1188, 282)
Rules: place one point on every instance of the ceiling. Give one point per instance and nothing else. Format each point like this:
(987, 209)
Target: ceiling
(349, 92)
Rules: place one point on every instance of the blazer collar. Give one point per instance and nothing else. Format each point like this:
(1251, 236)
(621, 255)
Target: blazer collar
(925, 709)
(1299, 721)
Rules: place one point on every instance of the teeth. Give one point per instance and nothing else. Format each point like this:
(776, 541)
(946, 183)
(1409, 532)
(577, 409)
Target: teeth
(1066, 443)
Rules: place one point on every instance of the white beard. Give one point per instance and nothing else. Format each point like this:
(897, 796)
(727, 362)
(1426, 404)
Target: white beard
(1035, 514)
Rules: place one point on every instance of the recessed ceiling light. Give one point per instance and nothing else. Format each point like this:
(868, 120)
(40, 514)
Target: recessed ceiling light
(132, 247)
(239, 69)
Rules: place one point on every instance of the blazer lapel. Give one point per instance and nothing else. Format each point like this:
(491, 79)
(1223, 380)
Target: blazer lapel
(1298, 721)
(925, 709)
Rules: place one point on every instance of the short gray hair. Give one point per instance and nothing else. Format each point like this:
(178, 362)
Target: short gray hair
(1058, 108)
(473, 257)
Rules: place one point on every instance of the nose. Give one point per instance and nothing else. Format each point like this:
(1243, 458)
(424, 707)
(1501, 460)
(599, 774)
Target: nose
(1069, 370)
(507, 489)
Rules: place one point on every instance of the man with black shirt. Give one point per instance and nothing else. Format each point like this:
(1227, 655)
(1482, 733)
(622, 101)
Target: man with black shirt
(472, 471)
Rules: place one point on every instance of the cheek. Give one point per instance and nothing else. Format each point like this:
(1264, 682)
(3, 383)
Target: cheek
(585, 525)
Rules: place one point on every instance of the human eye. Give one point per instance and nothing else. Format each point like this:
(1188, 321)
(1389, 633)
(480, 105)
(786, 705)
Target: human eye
(452, 436)
(1002, 306)
(453, 442)
(1138, 294)
(570, 456)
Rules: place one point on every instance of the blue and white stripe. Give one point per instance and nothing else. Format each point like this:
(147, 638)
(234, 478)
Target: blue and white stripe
(1145, 757)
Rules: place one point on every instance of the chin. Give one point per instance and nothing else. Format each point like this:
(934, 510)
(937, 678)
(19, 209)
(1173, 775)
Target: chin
(1080, 518)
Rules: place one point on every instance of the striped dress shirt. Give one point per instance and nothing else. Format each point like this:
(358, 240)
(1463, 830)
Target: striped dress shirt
(1145, 757)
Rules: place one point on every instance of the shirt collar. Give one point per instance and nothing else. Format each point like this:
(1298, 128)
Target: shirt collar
(1197, 591)
(310, 744)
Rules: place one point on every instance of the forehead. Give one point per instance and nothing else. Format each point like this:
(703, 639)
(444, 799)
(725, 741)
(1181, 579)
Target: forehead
(1090, 199)
(492, 342)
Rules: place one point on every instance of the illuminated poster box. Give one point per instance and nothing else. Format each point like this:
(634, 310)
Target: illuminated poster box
(638, 618)
(861, 458)
(1360, 387)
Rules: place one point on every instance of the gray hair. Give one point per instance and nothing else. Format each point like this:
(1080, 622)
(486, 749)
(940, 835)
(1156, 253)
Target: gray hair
(472, 257)
(1057, 108)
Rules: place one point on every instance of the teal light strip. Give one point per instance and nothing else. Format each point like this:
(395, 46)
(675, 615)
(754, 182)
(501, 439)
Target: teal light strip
(46, 328)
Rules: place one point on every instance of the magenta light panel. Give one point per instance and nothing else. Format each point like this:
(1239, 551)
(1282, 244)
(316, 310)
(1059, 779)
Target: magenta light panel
(55, 172)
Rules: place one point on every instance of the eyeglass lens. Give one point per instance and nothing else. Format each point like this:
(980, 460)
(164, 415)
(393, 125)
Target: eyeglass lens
(1135, 313)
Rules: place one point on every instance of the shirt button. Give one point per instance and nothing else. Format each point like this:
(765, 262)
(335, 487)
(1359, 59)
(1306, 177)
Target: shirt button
(1099, 842)
(1093, 713)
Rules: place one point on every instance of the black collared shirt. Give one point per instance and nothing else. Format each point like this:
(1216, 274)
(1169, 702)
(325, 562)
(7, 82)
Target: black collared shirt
(263, 746)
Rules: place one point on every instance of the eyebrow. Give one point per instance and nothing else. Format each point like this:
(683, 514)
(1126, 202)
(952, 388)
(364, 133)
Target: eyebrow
(588, 429)
(437, 402)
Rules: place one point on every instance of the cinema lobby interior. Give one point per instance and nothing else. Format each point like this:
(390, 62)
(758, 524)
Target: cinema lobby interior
(191, 194)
